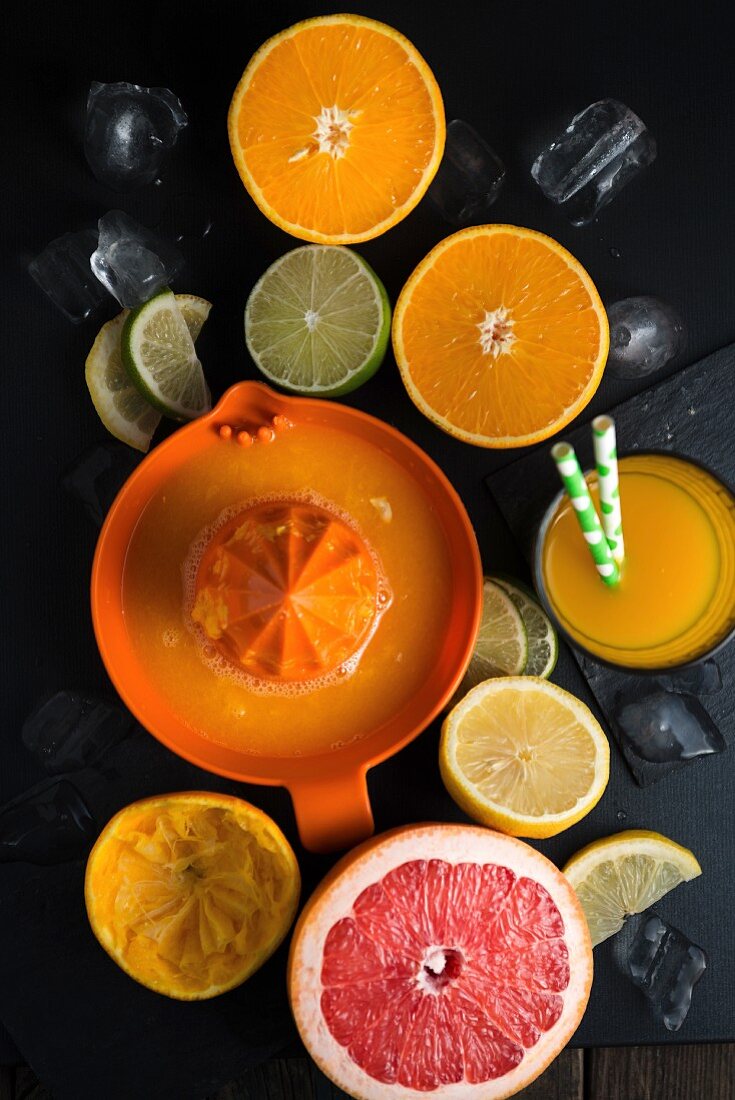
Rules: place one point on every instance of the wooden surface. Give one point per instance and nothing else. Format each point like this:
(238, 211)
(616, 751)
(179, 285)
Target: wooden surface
(703, 1072)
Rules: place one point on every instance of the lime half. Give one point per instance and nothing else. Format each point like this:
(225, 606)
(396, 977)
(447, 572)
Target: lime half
(543, 644)
(159, 356)
(318, 321)
(121, 408)
(501, 648)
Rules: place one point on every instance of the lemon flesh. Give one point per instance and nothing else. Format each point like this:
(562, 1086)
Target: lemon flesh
(625, 874)
(523, 756)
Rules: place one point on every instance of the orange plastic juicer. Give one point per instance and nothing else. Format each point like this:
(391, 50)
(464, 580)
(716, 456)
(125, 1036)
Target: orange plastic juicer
(287, 590)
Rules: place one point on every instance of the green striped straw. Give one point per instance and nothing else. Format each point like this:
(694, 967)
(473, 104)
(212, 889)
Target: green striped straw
(606, 461)
(572, 478)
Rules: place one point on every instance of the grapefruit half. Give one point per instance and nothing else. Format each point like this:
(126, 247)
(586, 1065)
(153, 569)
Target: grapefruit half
(439, 960)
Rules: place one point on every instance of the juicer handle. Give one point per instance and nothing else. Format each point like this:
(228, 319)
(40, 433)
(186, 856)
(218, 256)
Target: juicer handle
(333, 813)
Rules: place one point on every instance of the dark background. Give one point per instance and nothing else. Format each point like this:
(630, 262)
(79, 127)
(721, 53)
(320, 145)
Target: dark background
(516, 70)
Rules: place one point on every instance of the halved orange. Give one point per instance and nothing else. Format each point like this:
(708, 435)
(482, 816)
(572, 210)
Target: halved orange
(190, 893)
(337, 128)
(500, 336)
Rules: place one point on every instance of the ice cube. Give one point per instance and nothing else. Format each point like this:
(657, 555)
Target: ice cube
(132, 261)
(470, 176)
(129, 132)
(97, 475)
(186, 218)
(665, 726)
(69, 731)
(63, 273)
(645, 334)
(49, 824)
(702, 679)
(665, 965)
(602, 148)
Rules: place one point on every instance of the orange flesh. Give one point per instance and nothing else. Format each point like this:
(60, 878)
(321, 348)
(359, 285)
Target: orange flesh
(539, 315)
(347, 178)
(677, 591)
(413, 556)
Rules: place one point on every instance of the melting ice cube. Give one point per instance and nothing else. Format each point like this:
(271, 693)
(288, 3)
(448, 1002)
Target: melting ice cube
(602, 148)
(97, 475)
(49, 824)
(665, 726)
(469, 178)
(63, 273)
(129, 132)
(69, 731)
(645, 334)
(704, 678)
(132, 261)
(665, 965)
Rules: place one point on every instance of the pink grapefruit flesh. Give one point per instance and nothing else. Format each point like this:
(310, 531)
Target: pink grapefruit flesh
(440, 960)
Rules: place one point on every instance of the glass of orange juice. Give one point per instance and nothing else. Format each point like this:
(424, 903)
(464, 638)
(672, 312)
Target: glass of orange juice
(675, 602)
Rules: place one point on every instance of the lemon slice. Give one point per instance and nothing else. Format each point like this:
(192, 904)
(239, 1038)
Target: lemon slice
(121, 408)
(524, 756)
(625, 874)
(543, 644)
(159, 356)
(501, 648)
(318, 321)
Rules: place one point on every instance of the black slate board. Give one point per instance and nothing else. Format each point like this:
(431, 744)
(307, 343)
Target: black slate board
(517, 72)
(692, 414)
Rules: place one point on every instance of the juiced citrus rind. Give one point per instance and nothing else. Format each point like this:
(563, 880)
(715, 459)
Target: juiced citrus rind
(100, 878)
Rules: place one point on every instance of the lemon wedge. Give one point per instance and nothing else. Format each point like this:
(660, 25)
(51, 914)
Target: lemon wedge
(625, 874)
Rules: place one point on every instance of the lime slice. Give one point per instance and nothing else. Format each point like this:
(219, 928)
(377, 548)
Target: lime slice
(124, 412)
(501, 648)
(318, 321)
(625, 874)
(158, 354)
(543, 644)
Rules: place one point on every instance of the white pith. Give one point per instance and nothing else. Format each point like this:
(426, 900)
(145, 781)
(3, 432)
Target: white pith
(496, 332)
(332, 133)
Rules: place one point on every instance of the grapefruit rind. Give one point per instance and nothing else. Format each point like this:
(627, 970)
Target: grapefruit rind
(246, 814)
(418, 398)
(313, 234)
(368, 864)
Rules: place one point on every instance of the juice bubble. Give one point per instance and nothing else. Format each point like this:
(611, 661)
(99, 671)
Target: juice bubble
(171, 637)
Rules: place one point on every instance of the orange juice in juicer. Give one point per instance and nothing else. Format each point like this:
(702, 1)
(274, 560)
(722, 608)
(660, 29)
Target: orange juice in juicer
(287, 591)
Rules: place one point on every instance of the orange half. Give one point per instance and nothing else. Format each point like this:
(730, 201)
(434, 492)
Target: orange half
(337, 128)
(190, 893)
(500, 336)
